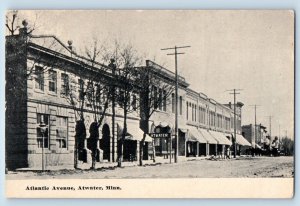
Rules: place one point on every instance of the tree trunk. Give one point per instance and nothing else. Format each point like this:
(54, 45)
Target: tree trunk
(76, 155)
(120, 158)
(153, 149)
(141, 150)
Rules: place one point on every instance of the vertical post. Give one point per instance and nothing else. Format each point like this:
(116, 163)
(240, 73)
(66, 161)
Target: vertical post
(197, 155)
(170, 139)
(176, 108)
(234, 126)
(255, 129)
(43, 152)
(113, 155)
(270, 119)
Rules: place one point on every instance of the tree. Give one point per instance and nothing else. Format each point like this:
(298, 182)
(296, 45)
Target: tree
(156, 90)
(126, 78)
(95, 93)
(287, 146)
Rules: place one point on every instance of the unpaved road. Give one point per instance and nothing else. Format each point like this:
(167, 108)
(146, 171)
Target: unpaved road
(241, 167)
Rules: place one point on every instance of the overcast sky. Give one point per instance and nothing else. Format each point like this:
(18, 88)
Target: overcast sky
(249, 50)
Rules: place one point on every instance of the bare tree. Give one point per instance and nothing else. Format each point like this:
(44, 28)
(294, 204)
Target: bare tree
(127, 90)
(94, 92)
(156, 90)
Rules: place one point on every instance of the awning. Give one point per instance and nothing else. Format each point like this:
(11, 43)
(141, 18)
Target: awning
(242, 141)
(183, 129)
(195, 135)
(207, 136)
(220, 137)
(133, 133)
(161, 124)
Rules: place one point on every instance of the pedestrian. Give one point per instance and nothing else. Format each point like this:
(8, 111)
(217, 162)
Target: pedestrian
(275, 146)
(227, 153)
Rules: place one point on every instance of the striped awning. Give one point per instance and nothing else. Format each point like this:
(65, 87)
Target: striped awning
(220, 137)
(209, 138)
(195, 135)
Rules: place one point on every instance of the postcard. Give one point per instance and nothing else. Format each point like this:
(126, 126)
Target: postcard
(149, 103)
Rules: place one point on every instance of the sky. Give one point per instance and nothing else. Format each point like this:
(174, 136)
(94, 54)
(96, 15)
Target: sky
(248, 50)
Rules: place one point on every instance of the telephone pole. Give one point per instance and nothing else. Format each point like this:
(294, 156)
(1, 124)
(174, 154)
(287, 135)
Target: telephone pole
(255, 129)
(270, 124)
(176, 96)
(234, 118)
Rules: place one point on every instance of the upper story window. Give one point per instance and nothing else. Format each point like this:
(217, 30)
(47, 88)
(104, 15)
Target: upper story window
(98, 93)
(52, 80)
(42, 135)
(89, 91)
(180, 105)
(81, 89)
(39, 79)
(155, 98)
(160, 99)
(187, 110)
(64, 84)
(164, 100)
(173, 103)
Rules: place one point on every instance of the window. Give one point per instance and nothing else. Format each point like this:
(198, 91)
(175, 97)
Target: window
(187, 110)
(52, 80)
(61, 132)
(160, 99)
(42, 134)
(195, 108)
(173, 103)
(155, 99)
(180, 105)
(89, 93)
(164, 101)
(192, 112)
(81, 88)
(39, 79)
(98, 93)
(64, 84)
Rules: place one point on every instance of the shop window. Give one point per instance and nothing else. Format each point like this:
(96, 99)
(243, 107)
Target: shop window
(42, 133)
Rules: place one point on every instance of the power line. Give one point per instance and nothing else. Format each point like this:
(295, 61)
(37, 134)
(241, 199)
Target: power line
(176, 96)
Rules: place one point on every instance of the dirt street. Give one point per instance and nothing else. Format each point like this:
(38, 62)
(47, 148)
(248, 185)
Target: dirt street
(241, 167)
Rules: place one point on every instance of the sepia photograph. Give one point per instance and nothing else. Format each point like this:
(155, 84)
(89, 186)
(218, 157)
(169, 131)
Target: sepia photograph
(97, 100)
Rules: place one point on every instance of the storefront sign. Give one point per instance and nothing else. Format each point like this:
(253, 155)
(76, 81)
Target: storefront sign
(160, 135)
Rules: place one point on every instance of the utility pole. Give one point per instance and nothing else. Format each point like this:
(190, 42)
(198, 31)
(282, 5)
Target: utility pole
(270, 124)
(234, 118)
(176, 96)
(255, 127)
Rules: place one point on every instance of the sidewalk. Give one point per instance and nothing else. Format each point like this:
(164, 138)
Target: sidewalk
(107, 165)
